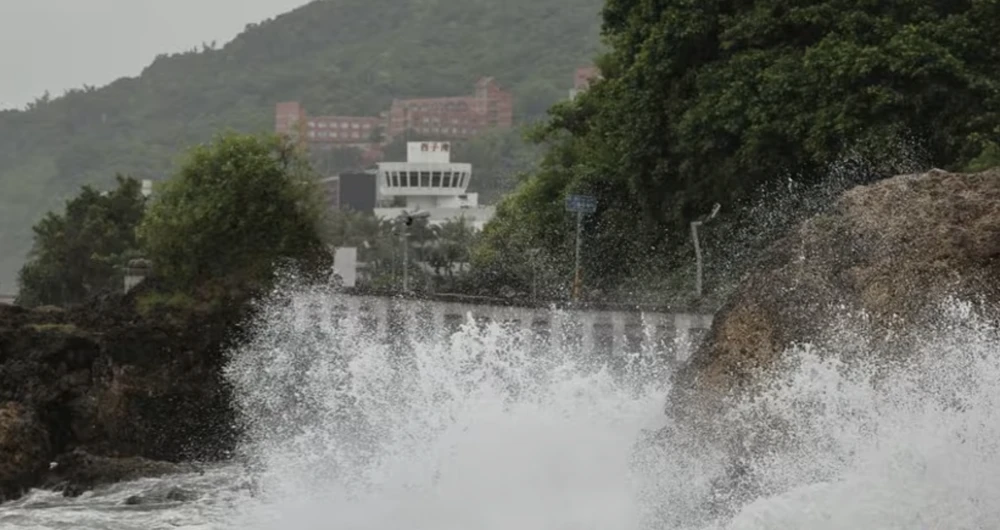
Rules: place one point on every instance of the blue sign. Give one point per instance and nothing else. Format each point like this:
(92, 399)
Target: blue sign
(581, 203)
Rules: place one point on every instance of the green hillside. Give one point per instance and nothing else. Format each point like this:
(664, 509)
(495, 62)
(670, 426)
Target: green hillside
(336, 56)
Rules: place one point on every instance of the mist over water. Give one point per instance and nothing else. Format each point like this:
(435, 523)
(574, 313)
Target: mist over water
(487, 430)
(484, 429)
(907, 444)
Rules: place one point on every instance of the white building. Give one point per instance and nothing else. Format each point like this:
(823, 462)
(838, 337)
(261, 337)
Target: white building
(430, 182)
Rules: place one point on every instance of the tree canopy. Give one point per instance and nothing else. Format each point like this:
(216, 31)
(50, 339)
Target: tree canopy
(712, 101)
(439, 254)
(336, 56)
(83, 250)
(236, 210)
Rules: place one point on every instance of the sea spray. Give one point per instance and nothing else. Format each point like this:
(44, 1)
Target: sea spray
(870, 442)
(486, 430)
(480, 430)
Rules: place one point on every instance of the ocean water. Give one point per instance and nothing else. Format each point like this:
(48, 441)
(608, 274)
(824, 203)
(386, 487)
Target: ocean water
(489, 430)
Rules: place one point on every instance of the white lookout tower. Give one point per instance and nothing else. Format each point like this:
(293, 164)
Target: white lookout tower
(430, 182)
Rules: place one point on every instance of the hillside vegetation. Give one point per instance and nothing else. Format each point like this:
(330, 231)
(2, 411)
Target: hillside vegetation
(741, 104)
(336, 56)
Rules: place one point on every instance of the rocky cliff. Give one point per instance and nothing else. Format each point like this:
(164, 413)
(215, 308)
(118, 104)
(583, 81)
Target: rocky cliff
(891, 250)
(106, 381)
(883, 257)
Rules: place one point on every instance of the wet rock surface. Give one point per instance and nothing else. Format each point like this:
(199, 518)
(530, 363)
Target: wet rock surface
(173, 494)
(78, 471)
(892, 250)
(24, 446)
(880, 261)
(110, 383)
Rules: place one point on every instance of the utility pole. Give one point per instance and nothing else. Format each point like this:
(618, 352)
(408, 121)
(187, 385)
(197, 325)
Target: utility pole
(533, 252)
(697, 247)
(405, 220)
(580, 204)
(697, 257)
(576, 279)
(406, 257)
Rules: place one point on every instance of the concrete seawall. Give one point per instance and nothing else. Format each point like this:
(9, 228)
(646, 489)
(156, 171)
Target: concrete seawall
(611, 332)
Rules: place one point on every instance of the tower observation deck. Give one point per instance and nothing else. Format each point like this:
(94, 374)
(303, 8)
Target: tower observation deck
(429, 181)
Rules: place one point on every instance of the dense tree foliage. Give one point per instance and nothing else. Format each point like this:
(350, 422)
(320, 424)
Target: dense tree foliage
(238, 209)
(336, 56)
(711, 101)
(439, 255)
(84, 249)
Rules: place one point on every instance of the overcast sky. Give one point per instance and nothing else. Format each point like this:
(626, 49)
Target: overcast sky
(55, 45)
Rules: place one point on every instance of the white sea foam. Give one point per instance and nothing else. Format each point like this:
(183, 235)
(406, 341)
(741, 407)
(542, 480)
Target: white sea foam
(484, 431)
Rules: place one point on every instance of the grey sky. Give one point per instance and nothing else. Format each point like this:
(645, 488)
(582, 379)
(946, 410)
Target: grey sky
(55, 45)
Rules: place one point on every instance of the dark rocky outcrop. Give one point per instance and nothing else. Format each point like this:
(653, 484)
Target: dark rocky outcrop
(111, 382)
(24, 446)
(78, 471)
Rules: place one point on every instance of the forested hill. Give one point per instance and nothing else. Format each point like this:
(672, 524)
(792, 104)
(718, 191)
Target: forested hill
(336, 56)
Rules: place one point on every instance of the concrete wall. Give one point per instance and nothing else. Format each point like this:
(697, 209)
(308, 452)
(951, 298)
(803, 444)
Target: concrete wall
(598, 332)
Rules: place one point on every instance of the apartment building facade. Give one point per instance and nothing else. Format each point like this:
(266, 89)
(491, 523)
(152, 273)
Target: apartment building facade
(449, 118)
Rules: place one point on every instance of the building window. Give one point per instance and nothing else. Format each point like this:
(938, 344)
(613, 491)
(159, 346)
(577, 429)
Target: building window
(425, 179)
(447, 179)
(395, 179)
(333, 134)
(355, 135)
(354, 125)
(312, 124)
(413, 179)
(436, 179)
(312, 134)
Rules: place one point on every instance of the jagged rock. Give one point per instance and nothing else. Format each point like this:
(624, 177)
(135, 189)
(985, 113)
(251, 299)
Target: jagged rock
(173, 494)
(113, 381)
(892, 249)
(80, 471)
(24, 449)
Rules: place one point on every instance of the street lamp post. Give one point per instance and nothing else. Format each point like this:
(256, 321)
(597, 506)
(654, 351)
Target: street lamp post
(697, 247)
(533, 252)
(406, 220)
(580, 205)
